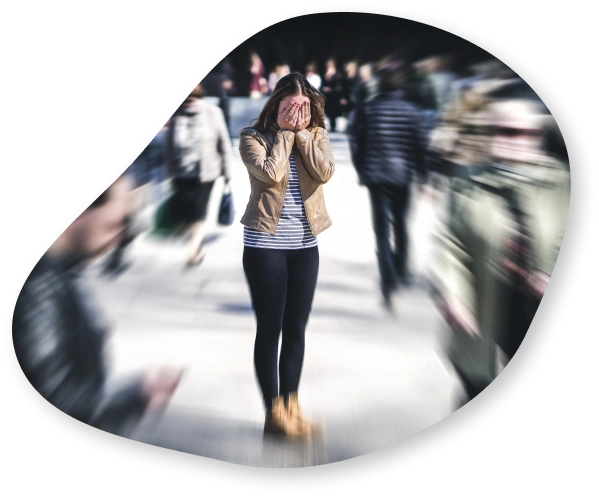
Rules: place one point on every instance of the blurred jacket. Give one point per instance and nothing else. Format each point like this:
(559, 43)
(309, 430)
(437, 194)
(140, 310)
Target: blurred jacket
(198, 143)
(266, 156)
(59, 341)
(386, 141)
(474, 243)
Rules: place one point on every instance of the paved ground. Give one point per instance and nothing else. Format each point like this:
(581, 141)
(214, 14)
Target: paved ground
(371, 378)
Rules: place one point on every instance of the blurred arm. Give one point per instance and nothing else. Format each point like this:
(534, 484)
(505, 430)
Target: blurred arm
(224, 143)
(123, 408)
(317, 157)
(267, 167)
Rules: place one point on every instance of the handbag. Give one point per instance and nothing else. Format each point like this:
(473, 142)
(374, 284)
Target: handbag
(226, 212)
(165, 225)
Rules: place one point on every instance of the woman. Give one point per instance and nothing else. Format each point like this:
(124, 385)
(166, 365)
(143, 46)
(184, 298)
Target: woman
(258, 86)
(312, 76)
(276, 75)
(288, 157)
(198, 152)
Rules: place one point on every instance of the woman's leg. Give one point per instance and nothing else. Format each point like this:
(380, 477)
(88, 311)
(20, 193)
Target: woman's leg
(196, 237)
(301, 282)
(266, 273)
(200, 197)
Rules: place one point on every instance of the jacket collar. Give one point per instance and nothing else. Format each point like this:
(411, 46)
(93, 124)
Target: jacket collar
(393, 94)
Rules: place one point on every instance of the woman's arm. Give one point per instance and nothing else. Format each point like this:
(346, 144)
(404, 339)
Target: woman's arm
(269, 168)
(223, 143)
(317, 157)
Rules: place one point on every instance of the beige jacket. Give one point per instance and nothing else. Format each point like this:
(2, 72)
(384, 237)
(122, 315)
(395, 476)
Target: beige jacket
(266, 156)
(199, 139)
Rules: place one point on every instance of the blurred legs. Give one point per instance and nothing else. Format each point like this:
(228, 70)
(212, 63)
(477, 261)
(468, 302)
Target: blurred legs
(380, 221)
(196, 248)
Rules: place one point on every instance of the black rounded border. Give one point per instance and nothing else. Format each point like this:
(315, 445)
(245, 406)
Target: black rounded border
(434, 440)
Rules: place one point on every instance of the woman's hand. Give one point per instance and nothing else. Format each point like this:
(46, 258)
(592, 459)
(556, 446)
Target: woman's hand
(288, 118)
(303, 118)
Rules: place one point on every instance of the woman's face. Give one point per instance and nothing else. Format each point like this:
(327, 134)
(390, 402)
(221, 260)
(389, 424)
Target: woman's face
(292, 99)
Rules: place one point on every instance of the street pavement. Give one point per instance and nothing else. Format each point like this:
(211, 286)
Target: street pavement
(370, 377)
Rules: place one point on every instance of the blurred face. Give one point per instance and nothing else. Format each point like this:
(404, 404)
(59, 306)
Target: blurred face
(516, 131)
(189, 101)
(292, 99)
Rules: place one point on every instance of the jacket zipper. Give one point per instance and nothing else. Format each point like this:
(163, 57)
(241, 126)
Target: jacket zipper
(283, 197)
(300, 187)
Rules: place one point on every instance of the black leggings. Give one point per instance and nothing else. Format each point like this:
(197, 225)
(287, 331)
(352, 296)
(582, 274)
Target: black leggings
(282, 284)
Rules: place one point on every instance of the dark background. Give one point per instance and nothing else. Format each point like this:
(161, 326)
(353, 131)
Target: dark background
(347, 36)
(91, 89)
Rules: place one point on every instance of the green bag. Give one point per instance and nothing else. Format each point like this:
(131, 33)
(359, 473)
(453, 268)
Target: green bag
(165, 225)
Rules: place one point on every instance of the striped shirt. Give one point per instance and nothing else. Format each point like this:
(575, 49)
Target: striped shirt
(293, 230)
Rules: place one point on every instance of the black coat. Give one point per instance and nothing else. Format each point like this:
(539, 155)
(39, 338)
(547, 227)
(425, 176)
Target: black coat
(386, 141)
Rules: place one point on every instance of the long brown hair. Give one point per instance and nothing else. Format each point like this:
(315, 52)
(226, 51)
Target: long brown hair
(292, 84)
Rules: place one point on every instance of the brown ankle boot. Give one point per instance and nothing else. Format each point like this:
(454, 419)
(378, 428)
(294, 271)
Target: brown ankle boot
(278, 422)
(304, 426)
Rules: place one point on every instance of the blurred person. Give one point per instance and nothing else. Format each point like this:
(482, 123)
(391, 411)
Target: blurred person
(350, 84)
(432, 92)
(198, 152)
(458, 143)
(312, 76)
(147, 173)
(276, 75)
(288, 157)
(219, 83)
(59, 336)
(501, 240)
(368, 84)
(332, 88)
(258, 85)
(388, 152)
(440, 78)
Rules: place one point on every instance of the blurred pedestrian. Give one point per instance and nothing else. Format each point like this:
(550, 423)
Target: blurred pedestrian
(332, 88)
(368, 84)
(276, 75)
(258, 85)
(219, 83)
(198, 152)
(147, 174)
(501, 240)
(60, 338)
(288, 157)
(350, 85)
(312, 76)
(387, 151)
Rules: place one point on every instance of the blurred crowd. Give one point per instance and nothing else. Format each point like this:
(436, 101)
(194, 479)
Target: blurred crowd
(473, 139)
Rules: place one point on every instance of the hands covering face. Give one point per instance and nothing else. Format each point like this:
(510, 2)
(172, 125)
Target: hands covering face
(295, 117)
